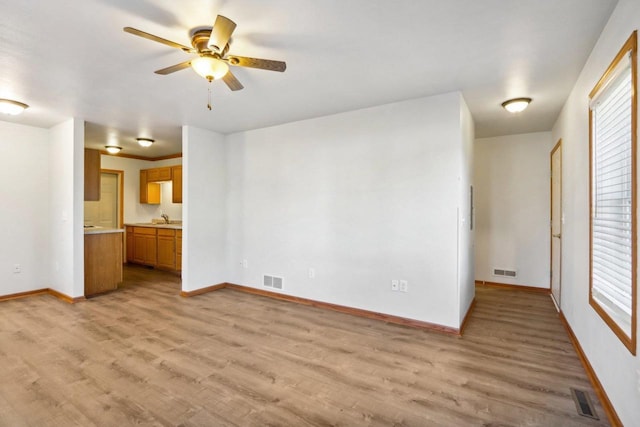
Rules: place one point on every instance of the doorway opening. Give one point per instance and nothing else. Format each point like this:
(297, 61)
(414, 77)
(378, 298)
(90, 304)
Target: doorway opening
(108, 212)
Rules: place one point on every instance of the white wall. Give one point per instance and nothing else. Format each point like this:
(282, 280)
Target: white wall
(362, 197)
(204, 193)
(24, 217)
(133, 210)
(512, 200)
(466, 275)
(66, 202)
(614, 365)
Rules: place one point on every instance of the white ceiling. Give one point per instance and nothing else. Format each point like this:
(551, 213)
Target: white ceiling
(70, 58)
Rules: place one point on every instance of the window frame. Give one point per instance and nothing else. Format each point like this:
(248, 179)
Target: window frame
(630, 46)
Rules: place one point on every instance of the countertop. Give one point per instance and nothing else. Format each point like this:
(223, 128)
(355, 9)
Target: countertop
(102, 230)
(149, 224)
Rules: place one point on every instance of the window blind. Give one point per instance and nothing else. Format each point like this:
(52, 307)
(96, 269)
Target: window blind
(612, 185)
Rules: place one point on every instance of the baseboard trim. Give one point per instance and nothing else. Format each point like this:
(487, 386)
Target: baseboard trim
(64, 297)
(419, 324)
(201, 291)
(595, 382)
(328, 306)
(513, 287)
(48, 291)
(466, 317)
(24, 294)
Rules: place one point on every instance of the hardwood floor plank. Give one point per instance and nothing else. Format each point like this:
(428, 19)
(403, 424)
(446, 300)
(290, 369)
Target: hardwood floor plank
(145, 356)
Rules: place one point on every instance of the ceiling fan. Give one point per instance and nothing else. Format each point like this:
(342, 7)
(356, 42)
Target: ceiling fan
(212, 47)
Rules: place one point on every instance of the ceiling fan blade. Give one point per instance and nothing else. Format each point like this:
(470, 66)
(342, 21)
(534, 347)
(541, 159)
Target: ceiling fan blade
(232, 81)
(220, 33)
(174, 68)
(263, 64)
(148, 36)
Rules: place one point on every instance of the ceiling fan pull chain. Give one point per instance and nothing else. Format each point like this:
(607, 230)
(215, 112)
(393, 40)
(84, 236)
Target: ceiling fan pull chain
(209, 96)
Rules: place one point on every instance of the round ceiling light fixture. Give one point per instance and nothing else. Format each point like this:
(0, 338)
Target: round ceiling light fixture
(145, 142)
(11, 107)
(209, 67)
(516, 105)
(113, 149)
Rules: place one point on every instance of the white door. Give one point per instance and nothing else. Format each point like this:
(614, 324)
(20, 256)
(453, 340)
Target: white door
(556, 221)
(104, 213)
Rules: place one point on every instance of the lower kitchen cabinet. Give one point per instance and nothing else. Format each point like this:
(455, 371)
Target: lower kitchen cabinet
(179, 250)
(102, 262)
(166, 249)
(155, 246)
(129, 246)
(144, 246)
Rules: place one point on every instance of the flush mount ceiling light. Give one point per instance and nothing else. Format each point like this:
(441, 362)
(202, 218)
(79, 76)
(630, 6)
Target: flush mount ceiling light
(8, 106)
(516, 105)
(113, 149)
(145, 142)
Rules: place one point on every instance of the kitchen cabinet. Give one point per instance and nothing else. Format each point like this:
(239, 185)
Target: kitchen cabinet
(149, 191)
(150, 180)
(130, 250)
(176, 177)
(155, 246)
(144, 246)
(179, 250)
(166, 249)
(159, 174)
(91, 175)
(102, 261)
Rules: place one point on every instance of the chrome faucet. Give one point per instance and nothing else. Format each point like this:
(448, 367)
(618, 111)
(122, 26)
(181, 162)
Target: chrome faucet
(166, 218)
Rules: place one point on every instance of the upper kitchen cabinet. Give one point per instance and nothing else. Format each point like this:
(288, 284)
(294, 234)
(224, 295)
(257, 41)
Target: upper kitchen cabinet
(150, 180)
(159, 174)
(91, 175)
(149, 191)
(176, 173)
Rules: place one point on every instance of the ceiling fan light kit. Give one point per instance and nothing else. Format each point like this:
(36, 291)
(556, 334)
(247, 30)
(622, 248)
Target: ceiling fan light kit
(516, 105)
(209, 67)
(11, 107)
(212, 47)
(145, 142)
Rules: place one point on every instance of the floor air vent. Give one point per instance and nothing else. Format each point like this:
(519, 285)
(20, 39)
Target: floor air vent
(583, 404)
(273, 282)
(504, 273)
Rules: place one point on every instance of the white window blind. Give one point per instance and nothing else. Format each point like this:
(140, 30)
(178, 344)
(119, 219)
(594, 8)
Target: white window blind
(612, 185)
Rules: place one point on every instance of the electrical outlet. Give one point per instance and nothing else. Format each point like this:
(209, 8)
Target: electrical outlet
(404, 286)
(312, 273)
(394, 285)
(17, 268)
(245, 263)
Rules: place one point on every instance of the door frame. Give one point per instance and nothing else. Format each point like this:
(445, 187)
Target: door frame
(557, 147)
(120, 175)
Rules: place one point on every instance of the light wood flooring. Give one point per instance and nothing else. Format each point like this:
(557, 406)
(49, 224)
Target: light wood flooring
(145, 356)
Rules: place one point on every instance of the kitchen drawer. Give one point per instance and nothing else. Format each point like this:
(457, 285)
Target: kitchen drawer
(144, 230)
(166, 232)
